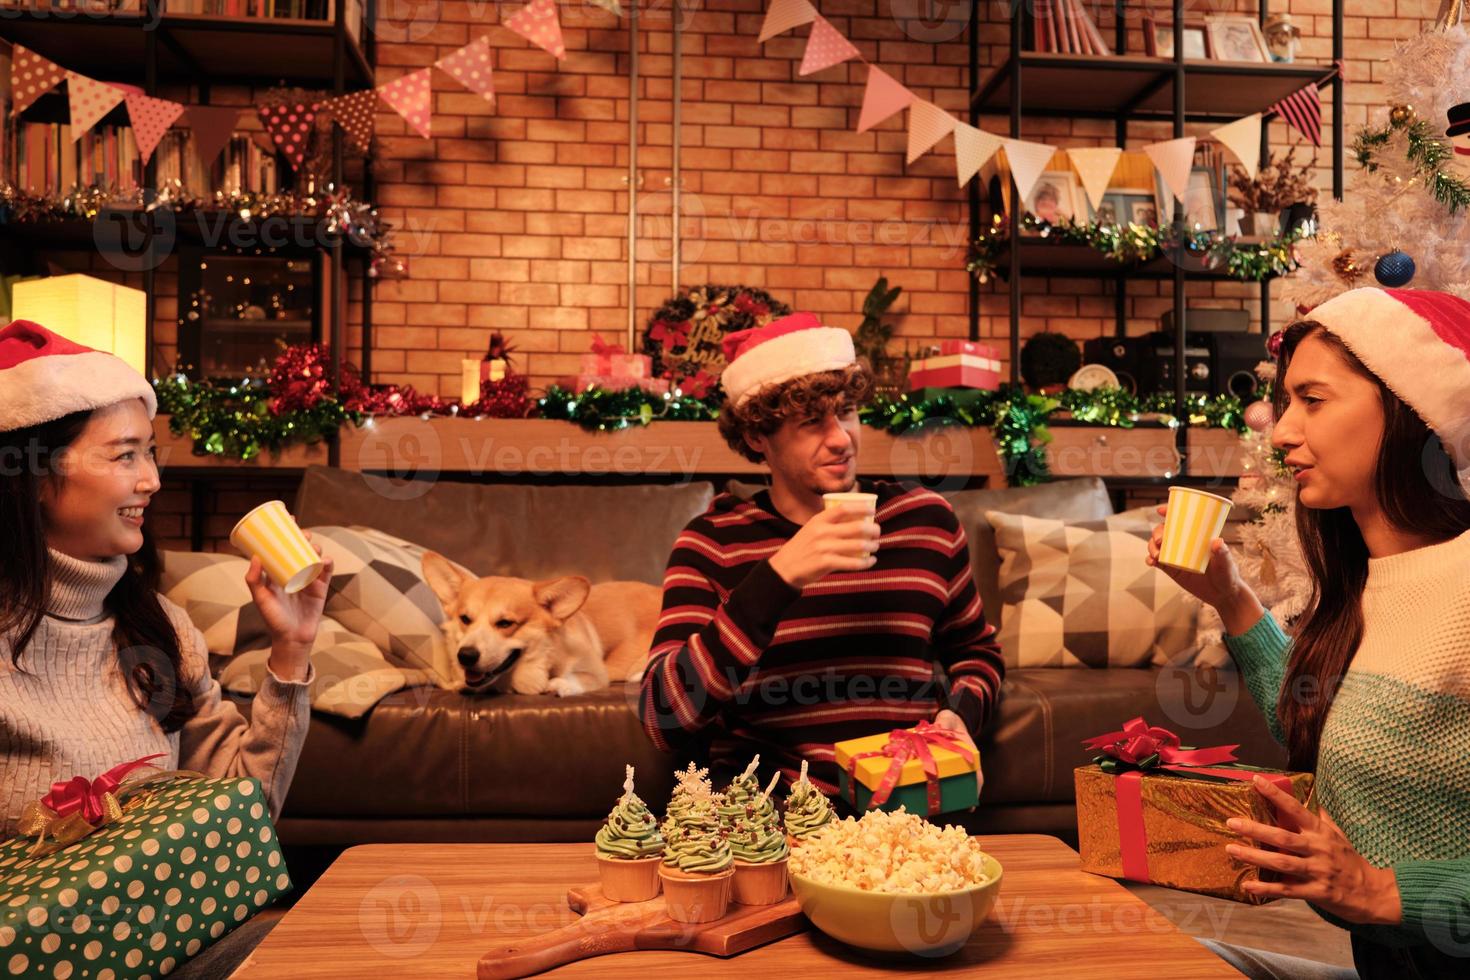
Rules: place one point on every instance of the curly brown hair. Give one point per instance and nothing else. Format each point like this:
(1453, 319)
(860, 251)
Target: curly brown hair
(810, 396)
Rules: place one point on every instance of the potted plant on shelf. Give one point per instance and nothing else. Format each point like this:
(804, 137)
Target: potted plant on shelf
(1048, 360)
(1279, 186)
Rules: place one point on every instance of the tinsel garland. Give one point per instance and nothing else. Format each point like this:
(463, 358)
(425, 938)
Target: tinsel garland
(236, 420)
(597, 410)
(1135, 244)
(1425, 149)
(1019, 420)
(340, 215)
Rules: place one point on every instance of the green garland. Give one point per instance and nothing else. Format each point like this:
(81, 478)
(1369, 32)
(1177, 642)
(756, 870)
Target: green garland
(1135, 244)
(1426, 150)
(597, 410)
(237, 420)
(1019, 420)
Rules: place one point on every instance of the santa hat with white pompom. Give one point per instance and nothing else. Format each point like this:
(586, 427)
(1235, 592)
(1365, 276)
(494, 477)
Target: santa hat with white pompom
(44, 377)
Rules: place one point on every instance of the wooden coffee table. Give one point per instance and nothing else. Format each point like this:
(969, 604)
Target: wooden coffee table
(430, 910)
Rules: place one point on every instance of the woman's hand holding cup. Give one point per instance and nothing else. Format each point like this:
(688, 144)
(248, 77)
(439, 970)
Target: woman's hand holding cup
(1220, 584)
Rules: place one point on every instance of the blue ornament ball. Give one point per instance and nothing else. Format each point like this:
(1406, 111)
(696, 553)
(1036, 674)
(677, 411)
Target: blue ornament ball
(1394, 269)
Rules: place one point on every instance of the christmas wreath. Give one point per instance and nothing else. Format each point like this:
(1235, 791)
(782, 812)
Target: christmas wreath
(683, 337)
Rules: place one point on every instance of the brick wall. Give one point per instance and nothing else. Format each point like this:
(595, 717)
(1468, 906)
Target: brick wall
(515, 215)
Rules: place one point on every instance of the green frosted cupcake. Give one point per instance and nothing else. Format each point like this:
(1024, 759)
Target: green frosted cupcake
(807, 809)
(743, 798)
(629, 849)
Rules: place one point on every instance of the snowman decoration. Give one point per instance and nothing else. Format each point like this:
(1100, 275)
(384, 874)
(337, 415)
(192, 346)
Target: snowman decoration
(1459, 133)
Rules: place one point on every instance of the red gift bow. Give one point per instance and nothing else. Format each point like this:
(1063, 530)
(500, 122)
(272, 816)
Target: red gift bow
(86, 795)
(905, 744)
(1139, 740)
(1136, 743)
(602, 348)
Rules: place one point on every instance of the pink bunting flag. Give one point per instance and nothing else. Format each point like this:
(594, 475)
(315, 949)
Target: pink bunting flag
(973, 148)
(882, 98)
(928, 124)
(825, 48)
(289, 127)
(1027, 162)
(783, 15)
(409, 97)
(470, 66)
(212, 126)
(538, 23)
(31, 76)
(354, 112)
(90, 101)
(151, 119)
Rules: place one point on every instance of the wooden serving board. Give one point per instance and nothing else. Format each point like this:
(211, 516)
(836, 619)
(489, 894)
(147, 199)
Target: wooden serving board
(619, 927)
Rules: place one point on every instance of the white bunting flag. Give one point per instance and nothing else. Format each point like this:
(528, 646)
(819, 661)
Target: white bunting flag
(1094, 166)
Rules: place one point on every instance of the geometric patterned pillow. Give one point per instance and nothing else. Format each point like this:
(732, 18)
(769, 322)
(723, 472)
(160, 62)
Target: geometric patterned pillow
(211, 589)
(1079, 594)
(351, 673)
(378, 591)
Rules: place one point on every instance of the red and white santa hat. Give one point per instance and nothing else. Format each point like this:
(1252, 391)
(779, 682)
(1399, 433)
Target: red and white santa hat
(44, 376)
(782, 350)
(1417, 342)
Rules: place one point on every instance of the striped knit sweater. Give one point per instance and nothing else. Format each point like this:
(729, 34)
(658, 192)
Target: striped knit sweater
(1393, 768)
(66, 711)
(758, 666)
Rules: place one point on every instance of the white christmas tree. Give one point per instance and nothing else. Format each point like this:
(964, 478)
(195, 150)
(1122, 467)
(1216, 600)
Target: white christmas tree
(1403, 221)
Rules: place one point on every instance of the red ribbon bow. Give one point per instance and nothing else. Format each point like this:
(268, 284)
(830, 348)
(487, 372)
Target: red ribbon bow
(1138, 741)
(86, 795)
(905, 744)
(602, 348)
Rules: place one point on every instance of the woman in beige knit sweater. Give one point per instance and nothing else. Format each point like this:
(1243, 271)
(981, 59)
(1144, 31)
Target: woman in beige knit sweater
(96, 668)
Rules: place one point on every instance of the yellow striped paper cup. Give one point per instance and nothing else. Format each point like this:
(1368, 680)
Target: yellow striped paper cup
(270, 532)
(1195, 518)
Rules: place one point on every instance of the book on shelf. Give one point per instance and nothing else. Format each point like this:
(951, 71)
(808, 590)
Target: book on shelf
(1065, 27)
(243, 167)
(48, 162)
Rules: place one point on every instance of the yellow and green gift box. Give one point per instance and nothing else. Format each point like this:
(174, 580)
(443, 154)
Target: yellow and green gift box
(1152, 810)
(925, 769)
(134, 873)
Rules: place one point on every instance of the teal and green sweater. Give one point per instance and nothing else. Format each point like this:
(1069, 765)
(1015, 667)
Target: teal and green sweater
(1393, 767)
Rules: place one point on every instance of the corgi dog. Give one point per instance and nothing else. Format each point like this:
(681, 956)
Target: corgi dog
(563, 636)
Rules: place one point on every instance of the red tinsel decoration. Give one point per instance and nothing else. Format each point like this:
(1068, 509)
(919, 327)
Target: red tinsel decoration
(508, 398)
(299, 379)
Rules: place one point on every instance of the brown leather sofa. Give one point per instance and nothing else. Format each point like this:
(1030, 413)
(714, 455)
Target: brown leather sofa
(433, 765)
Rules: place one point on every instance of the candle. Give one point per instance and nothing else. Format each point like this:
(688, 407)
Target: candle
(469, 381)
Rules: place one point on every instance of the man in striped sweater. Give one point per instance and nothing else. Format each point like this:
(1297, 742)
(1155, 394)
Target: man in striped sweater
(787, 627)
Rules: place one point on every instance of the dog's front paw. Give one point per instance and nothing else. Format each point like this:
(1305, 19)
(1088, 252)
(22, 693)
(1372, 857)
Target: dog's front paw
(564, 687)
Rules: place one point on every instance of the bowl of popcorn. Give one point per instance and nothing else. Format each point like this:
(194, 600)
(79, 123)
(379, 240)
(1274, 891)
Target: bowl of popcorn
(894, 883)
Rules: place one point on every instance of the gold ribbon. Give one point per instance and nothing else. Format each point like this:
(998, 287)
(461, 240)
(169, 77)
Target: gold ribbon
(1451, 14)
(53, 832)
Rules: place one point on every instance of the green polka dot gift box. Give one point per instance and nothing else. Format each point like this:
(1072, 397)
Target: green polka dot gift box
(185, 862)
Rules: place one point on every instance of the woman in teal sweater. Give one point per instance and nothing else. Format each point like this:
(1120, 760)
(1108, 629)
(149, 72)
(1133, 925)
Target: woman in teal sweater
(1371, 691)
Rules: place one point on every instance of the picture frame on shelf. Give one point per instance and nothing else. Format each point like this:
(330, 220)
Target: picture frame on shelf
(1204, 202)
(1237, 37)
(1055, 198)
(1123, 206)
(1158, 39)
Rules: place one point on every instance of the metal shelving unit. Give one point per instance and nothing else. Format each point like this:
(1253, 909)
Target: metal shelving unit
(1126, 88)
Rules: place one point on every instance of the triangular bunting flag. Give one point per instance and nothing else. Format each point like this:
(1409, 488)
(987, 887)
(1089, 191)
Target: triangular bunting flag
(470, 66)
(825, 47)
(928, 124)
(1242, 138)
(611, 6)
(151, 119)
(212, 127)
(289, 127)
(1028, 161)
(1094, 166)
(1173, 158)
(354, 112)
(409, 97)
(31, 76)
(783, 15)
(538, 23)
(1302, 111)
(973, 148)
(882, 98)
(90, 101)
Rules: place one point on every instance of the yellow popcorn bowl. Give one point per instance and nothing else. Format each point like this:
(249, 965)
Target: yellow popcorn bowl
(271, 533)
(931, 925)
